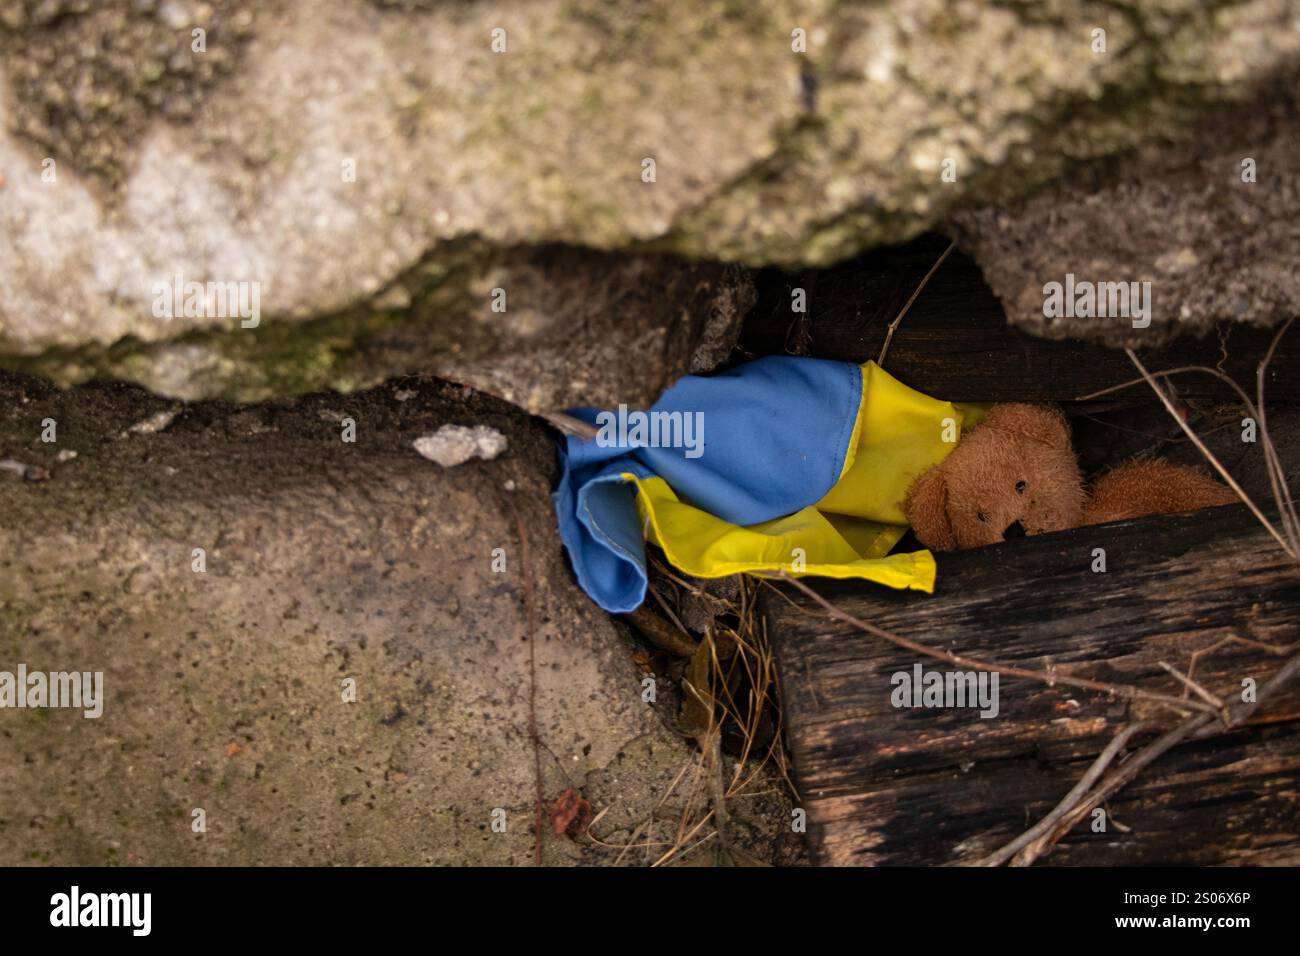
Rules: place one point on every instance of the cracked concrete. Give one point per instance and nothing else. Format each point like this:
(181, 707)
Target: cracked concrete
(322, 562)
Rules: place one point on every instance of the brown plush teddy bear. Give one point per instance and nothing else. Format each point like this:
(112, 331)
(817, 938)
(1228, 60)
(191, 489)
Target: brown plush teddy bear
(1015, 474)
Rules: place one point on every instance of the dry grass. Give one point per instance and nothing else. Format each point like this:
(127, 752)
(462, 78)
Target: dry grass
(731, 684)
(730, 690)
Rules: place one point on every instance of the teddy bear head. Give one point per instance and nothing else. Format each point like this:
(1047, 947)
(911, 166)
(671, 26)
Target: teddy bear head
(1015, 473)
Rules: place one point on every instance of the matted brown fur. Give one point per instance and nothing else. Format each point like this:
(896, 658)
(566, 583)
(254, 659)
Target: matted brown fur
(1016, 473)
(1152, 488)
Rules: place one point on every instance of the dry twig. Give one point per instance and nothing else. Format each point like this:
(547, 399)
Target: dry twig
(660, 633)
(1051, 678)
(1209, 455)
(893, 326)
(569, 425)
(1200, 726)
(1189, 684)
(1069, 802)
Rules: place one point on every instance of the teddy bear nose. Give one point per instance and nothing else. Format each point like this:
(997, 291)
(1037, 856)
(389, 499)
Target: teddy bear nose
(1013, 530)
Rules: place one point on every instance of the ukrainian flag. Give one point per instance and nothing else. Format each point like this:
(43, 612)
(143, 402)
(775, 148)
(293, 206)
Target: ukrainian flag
(782, 463)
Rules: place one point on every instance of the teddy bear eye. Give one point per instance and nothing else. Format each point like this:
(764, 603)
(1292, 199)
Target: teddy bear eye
(982, 516)
(1020, 487)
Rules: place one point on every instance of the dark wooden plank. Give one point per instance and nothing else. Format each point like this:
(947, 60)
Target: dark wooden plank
(887, 785)
(1221, 802)
(955, 342)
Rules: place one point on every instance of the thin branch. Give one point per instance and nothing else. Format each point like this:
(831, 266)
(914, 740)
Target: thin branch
(1068, 802)
(660, 633)
(1189, 684)
(1051, 678)
(1200, 726)
(1169, 372)
(668, 611)
(1209, 455)
(1194, 657)
(718, 794)
(1277, 475)
(1114, 782)
(889, 334)
(1240, 712)
(1256, 410)
(569, 425)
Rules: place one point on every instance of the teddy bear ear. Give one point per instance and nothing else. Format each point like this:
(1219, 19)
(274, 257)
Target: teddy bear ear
(927, 511)
(1044, 423)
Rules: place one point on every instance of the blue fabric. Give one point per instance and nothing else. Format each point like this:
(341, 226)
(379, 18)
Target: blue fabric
(776, 432)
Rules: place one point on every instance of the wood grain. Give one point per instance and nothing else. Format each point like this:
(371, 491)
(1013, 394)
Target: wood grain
(887, 785)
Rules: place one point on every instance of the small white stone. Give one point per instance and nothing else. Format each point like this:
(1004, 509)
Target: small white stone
(154, 423)
(453, 445)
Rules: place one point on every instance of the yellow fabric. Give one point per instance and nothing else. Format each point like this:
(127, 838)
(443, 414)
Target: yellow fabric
(898, 434)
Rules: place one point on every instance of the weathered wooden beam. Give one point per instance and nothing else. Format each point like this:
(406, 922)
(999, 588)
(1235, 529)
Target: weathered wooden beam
(885, 784)
(955, 342)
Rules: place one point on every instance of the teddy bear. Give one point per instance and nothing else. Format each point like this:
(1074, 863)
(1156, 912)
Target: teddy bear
(1016, 474)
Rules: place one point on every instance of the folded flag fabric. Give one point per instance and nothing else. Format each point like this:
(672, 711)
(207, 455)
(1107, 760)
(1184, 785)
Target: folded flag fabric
(784, 462)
